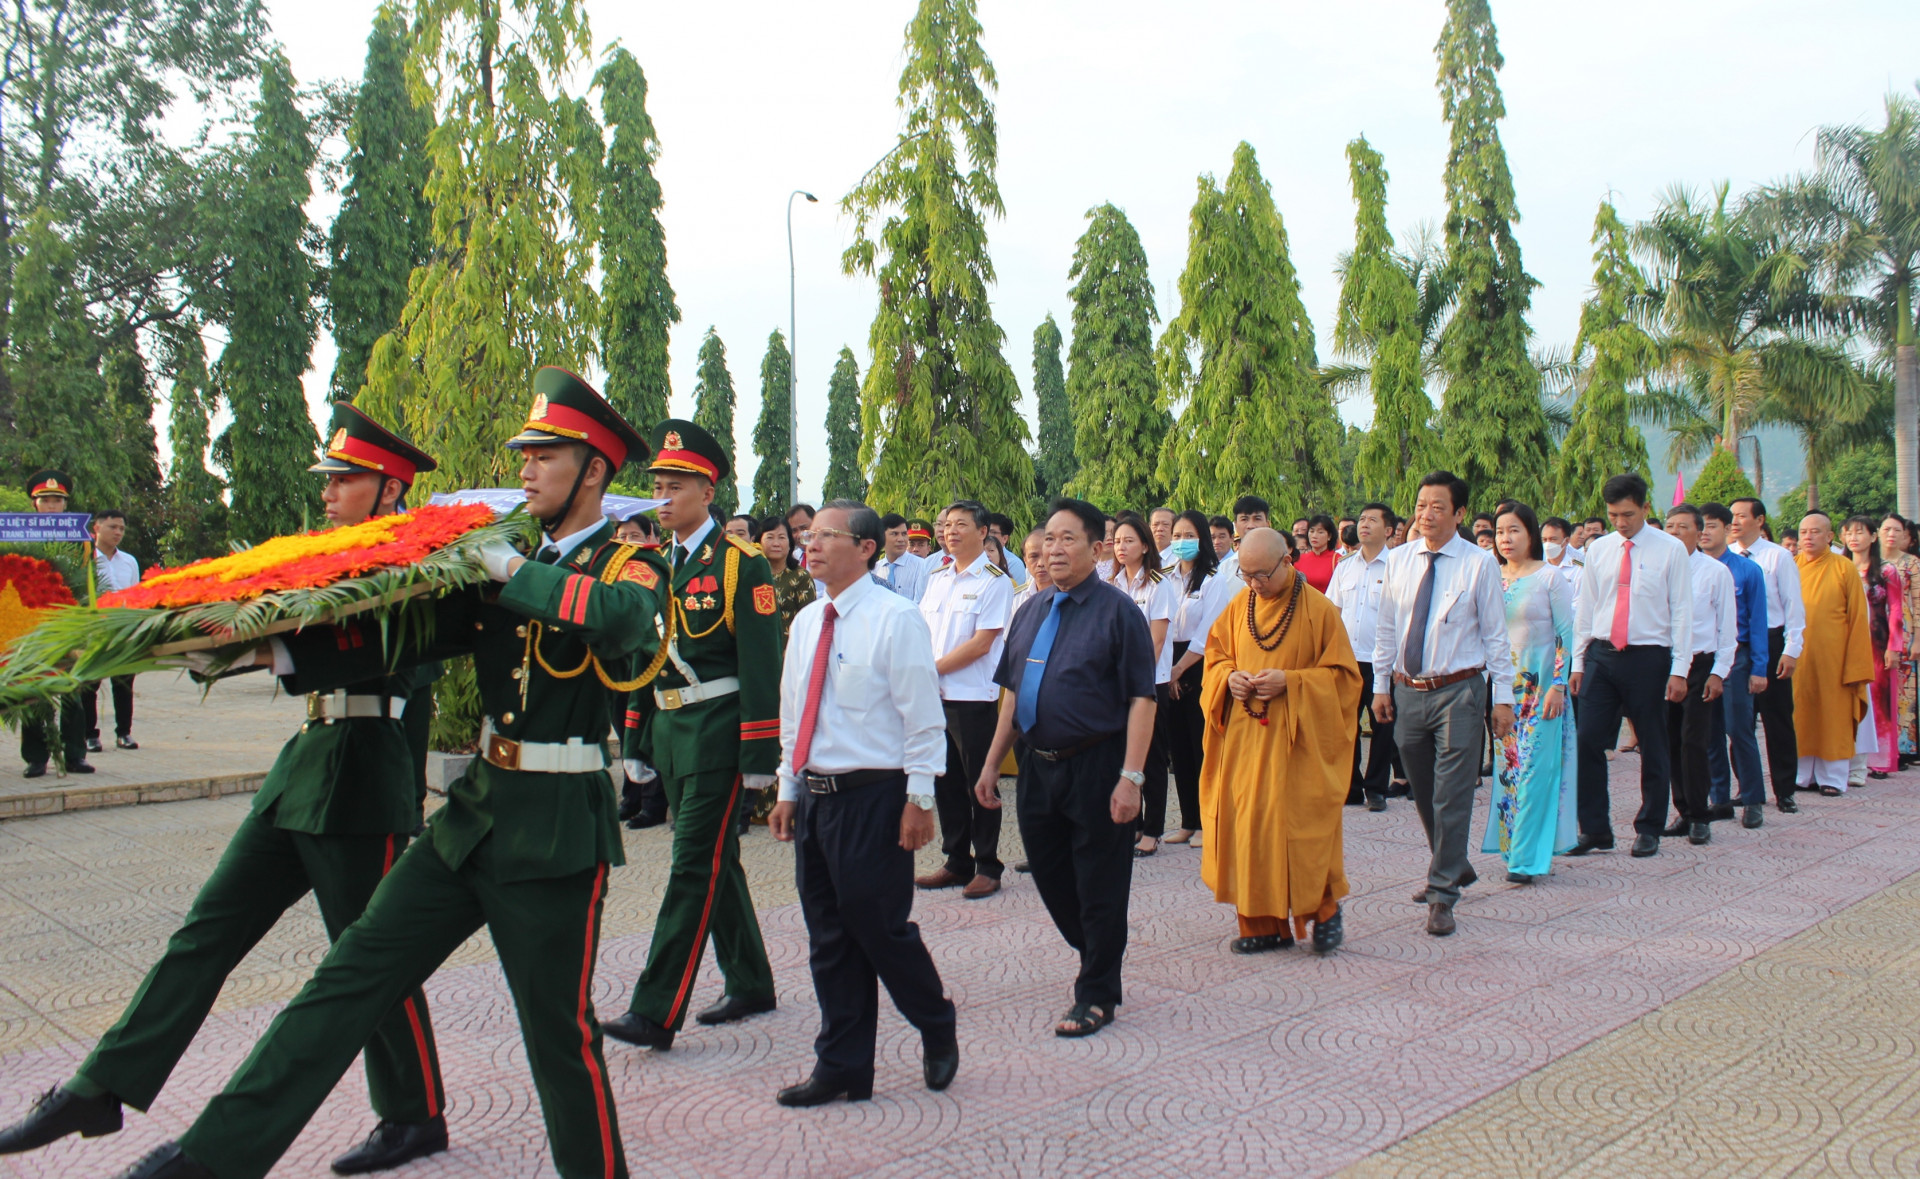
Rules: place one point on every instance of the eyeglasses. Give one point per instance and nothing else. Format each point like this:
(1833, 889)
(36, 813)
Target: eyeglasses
(831, 532)
(1250, 577)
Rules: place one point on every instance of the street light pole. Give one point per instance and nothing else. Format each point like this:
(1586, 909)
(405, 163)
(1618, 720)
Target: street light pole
(793, 361)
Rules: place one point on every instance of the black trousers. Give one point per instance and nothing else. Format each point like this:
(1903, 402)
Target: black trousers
(1186, 739)
(856, 892)
(1082, 860)
(969, 832)
(1153, 793)
(1689, 726)
(35, 744)
(1381, 753)
(1632, 683)
(649, 796)
(1775, 706)
(122, 707)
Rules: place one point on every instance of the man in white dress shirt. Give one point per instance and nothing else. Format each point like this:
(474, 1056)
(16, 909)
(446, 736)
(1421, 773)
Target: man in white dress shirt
(114, 569)
(1786, 628)
(1358, 581)
(1632, 650)
(862, 737)
(968, 603)
(1716, 639)
(898, 568)
(1441, 635)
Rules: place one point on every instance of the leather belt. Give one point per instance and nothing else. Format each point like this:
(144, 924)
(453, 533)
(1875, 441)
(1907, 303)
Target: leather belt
(851, 780)
(540, 757)
(328, 707)
(1071, 750)
(1429, 683)
(673, 698)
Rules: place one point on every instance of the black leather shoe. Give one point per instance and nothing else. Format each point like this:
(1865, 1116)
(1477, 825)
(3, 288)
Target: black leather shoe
(1700, 833)
(1328, 934)
(1677, 828)
(393, 1143)
(125, 743)
(1587, 843)
(730, 1008)
(629, 802)
(94, 746)
(1751, 817)
(1721, 813)
(59, 1113)
(629, 1028)
(36, 770)
(1520, 878)
(1262, 944)
(643, 820)
(1645, 845)
(1376, 801)
(1786, 806)
(81, 767)
(814, 1091)
(939, 1065)
(166, 1162)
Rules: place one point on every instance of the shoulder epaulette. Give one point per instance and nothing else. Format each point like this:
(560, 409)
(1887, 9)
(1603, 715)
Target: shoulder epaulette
(995, 570)
(749, 549)
(1154, 575)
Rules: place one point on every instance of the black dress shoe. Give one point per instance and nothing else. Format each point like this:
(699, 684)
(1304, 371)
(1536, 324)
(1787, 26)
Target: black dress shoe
(1520, 878)
(629, 802)
(1645, 845)
(1262, 944)
(1721, 813)
(36, 770)
(393, 1143)
(1328, 934)
(1700, 833)
(166, 1162)
(1751, 818)
(938, 1065)
(629, 1028)
(59, 1113)
(730, 1008)
(94, 746)
(125, 743)
(1587, 843)
(81, 767)
(1787, 806)
(814, 1091)
(1376, 801)
(643, 820)
(1677, 828)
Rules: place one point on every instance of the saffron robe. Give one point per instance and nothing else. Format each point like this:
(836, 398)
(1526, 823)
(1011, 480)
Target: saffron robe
(1272, 795)
(1836, 662)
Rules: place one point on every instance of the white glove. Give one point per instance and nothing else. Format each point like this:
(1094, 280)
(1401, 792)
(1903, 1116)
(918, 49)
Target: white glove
(757, 781)
(639, 771)
(495, 556)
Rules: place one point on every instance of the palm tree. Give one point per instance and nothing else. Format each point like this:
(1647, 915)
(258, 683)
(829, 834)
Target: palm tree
(1823, 437)
(1860, 216)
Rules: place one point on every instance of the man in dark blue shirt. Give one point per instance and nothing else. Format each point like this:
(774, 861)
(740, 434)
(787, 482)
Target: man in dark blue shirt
(1733, 721)
(1078, 670)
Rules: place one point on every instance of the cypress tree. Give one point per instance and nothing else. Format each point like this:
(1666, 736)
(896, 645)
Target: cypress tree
(1055, 464)
(637, 305)
(1495, 424)
(384, 226)
(844, 480)
(713, 412)
(773, 433)
(1118, 421)
(939, 410)
(271, 320)
(196, 515)
(1612, 351)
(1379, 321)
(1238, 364)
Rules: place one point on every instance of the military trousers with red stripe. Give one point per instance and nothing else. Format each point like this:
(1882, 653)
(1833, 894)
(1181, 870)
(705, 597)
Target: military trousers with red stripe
(547, 935)
(263, 872)
(706, 898)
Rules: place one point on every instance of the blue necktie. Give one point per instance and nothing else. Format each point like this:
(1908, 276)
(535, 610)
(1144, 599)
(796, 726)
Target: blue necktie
(1026, 706)
(893, 567)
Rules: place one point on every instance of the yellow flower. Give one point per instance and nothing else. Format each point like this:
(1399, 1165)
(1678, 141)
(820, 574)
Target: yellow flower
(281, 550)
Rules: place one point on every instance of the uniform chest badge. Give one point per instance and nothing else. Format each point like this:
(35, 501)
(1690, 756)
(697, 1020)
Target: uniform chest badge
(706, 554)
(763, 599)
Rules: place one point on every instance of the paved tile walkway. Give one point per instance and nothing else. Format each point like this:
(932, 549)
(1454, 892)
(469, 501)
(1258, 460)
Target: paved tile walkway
(1555, 1027)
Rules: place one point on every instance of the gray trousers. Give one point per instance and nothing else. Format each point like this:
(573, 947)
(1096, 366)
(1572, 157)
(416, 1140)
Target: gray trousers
(1439, 734)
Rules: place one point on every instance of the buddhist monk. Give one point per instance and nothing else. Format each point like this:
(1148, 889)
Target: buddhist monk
(1836, 662)
(1281, 695)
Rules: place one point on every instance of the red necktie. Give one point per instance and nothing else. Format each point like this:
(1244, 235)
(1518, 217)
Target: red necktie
(803, 741)
(1621, 596)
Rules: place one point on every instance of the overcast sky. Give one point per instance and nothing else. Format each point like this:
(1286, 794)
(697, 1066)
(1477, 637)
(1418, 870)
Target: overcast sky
(1126, 101)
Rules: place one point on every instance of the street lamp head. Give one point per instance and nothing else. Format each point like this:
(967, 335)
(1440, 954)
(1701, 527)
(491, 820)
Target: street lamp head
(811, 197)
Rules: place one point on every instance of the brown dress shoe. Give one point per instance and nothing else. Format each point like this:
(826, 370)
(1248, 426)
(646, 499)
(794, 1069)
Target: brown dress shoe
(1420, 898)
(940, 878)
(980, 886)
(1439, 919)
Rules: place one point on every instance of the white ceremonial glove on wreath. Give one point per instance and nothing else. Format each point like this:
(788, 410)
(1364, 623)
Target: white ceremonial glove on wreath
(757, 781)
(496, 556)
(639, 771)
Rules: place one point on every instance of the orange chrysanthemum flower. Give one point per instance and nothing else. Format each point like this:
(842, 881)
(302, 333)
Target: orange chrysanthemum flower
(29, 587)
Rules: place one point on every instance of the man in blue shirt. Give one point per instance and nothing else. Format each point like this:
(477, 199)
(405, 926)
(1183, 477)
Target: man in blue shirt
(1734, 720)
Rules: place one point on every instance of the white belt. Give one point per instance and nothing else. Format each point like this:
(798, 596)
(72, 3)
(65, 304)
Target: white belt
(672, 698)
(333, 706)
(541, 757)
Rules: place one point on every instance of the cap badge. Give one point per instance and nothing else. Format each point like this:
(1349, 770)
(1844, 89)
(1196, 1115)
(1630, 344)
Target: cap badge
(672, 441)
(539, 407)
(339, 439)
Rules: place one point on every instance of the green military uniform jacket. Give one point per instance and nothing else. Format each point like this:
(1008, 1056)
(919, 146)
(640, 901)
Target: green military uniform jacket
(354, 775)
(545, 646)
(739, 732)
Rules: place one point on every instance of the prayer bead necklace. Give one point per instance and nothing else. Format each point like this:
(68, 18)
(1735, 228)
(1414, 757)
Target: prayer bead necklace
(1278, 635)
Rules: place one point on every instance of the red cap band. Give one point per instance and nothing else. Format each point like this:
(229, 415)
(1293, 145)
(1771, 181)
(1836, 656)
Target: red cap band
(571, 423)
(362, 453)
(685, 460)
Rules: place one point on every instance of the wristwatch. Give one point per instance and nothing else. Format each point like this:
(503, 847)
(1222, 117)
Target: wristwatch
(923, 801)
(1134, 776)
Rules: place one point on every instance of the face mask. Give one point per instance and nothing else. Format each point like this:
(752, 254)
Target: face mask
(1185, 548)
(1554, 551)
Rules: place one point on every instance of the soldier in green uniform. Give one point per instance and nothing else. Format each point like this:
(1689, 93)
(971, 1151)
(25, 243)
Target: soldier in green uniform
(334, 813)
(50, 490)
(708, 720)
(527, 835)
